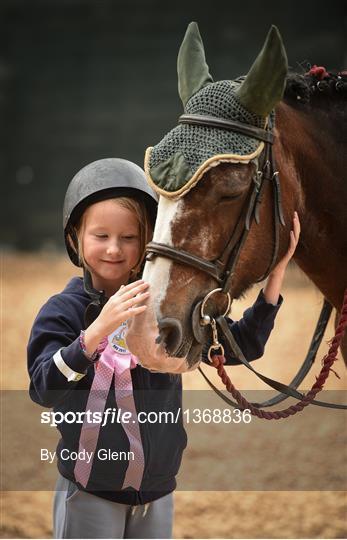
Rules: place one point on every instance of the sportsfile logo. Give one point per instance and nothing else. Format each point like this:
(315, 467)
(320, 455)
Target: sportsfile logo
(111, 416)
(118, 416)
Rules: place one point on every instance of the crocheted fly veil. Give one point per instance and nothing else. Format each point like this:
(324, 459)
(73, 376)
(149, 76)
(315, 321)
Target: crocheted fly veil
(182, 157)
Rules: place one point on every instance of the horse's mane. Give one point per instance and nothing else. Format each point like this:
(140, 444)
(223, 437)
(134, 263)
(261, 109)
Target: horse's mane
(317, 88)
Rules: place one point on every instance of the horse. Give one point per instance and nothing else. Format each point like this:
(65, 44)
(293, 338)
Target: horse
(209, 173)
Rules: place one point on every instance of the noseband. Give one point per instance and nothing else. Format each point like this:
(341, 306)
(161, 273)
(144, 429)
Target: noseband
(222, 269)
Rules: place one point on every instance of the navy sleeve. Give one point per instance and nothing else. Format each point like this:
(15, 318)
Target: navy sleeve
(251, 332)
(57, 326)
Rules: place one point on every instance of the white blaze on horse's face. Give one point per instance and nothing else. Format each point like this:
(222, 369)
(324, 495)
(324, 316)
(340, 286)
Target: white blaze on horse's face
(157, 272)
(142, 336)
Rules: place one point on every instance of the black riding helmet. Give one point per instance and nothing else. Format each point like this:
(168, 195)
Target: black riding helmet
(101, 180)
(98, 181)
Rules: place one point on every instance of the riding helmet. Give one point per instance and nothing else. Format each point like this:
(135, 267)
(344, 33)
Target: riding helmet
(101, 180)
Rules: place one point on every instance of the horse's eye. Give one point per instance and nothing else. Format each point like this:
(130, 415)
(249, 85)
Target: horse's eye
(229, 198)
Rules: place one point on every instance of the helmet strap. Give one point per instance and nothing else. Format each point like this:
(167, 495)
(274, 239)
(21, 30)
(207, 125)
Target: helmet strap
(71, 242)
(98, 298)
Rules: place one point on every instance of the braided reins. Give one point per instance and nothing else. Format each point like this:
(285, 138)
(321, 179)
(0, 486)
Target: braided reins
(328, 360)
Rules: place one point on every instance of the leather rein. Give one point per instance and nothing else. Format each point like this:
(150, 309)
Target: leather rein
(222, 269)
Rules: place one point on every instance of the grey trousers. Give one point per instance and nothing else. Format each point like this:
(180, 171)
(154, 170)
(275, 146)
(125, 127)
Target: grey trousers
(77, 514)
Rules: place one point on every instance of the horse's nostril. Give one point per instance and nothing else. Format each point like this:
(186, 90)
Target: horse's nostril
(159, 339)
(171, 333)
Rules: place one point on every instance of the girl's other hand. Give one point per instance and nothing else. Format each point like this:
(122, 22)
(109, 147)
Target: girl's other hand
(293, 242)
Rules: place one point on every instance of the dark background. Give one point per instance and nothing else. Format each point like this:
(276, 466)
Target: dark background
(85, 79)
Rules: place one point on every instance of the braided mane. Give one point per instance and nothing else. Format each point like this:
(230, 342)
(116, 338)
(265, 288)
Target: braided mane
(316, 87)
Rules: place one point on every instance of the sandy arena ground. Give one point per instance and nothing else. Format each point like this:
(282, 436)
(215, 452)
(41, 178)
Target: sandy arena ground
(27, 281)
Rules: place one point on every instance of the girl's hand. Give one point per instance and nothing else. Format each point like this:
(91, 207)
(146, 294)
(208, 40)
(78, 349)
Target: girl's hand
(293, 242)
(123, 305)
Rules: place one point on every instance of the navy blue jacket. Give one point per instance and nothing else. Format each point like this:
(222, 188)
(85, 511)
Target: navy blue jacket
(57, 326)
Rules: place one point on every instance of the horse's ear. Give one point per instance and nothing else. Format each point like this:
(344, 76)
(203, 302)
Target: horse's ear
(193, 72)
(265, 82)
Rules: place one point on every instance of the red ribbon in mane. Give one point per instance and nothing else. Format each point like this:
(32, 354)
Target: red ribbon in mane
(318, 71)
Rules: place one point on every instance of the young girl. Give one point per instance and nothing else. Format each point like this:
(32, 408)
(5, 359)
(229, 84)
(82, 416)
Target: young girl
(116, 474)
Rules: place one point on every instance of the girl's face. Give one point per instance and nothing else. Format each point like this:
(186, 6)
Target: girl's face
(110, 244)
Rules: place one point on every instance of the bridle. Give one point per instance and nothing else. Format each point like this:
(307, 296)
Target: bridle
(222, 269)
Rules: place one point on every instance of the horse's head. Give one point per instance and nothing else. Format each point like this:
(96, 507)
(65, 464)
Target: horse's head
(211, 172)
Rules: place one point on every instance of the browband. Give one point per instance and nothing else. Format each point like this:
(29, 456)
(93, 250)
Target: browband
(231, 125)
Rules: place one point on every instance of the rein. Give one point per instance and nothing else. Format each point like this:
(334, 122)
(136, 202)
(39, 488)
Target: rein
(305, 399)
(222, 271)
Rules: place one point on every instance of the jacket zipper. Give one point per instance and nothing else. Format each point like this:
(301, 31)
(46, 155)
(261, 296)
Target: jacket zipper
(142, 404)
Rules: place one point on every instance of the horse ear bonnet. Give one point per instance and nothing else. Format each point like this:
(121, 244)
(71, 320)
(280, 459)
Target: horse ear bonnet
(181, 158)
(193, 72)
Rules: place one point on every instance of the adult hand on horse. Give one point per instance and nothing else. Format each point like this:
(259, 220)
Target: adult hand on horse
(274, 282)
